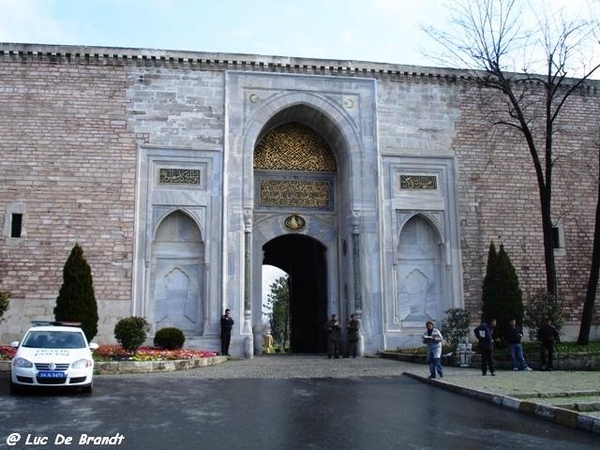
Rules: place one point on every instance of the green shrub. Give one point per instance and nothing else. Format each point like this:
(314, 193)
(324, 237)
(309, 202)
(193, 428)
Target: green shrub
(543, 304)
(4, 303)
(456, 326)
(169, 338)
(131, 333)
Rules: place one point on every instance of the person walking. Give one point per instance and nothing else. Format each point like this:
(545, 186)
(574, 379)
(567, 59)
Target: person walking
(433, 339)
(485, 335)
(268, 342)
(514, 333)
(548, 336)
(226, 326)
(334, 336)
(352, 329)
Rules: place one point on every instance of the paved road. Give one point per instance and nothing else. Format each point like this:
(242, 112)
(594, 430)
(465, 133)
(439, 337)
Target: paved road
(275, 403)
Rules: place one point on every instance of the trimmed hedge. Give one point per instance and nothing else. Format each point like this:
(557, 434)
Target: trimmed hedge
(170, 338)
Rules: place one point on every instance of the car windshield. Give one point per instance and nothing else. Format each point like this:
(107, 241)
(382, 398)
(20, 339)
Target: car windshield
(54, 339)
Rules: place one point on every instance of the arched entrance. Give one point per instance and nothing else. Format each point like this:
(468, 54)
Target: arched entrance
(303, 258)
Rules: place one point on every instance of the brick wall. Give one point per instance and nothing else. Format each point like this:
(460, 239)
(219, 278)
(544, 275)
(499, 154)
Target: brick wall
(68, 156)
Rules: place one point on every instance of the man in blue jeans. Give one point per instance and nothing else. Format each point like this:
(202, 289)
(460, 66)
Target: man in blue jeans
(433, 339)
(513, 336)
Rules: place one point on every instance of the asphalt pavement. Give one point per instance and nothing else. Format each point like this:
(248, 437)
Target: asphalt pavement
(293, 402)
(570, 398)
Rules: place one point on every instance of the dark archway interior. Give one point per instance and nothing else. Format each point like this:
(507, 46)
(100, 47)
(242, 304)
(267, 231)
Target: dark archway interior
(303, 258)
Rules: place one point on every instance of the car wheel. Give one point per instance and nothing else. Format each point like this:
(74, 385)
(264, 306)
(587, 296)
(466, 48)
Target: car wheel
(87, 389)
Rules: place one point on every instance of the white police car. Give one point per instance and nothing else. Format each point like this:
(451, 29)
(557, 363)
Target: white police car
(53, 356)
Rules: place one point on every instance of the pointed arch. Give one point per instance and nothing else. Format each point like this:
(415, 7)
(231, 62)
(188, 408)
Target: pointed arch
(420, 271)
(178, 273)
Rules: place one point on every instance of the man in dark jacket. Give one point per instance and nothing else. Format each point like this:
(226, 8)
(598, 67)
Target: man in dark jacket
(352, 328)
(334, 336)
(547, 335)
(514, 333)
(226, 326)
(485, 335)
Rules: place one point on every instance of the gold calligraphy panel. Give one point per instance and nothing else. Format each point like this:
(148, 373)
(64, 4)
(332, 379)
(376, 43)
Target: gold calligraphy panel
(295, 193)
(294, 146)
(418, 182)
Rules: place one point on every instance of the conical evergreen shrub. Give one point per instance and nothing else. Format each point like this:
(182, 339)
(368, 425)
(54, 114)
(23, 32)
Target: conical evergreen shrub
(502, 297)
(490, 291)
(76, 301)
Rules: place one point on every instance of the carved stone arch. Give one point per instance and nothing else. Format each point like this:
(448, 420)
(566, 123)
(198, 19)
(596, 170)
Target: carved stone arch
(316, 111)
(435, 220)
(161, 214)
(178, 272)
(341, 110)
(420, 271)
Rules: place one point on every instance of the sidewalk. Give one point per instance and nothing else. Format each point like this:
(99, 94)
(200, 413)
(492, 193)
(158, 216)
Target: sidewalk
(571, 398)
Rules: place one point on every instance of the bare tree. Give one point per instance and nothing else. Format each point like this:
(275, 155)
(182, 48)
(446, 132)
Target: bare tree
(534, 70)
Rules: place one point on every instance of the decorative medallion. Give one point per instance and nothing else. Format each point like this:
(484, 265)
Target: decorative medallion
(294, 223)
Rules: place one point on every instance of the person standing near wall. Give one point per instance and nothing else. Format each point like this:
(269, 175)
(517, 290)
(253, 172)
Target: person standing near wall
(352, 328)
(334, 335)
(514, 333)
(485, 335)
(226, 326)
(433, 339)
(548, 336)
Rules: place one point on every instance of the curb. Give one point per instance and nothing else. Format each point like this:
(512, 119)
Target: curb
(554, 414)
(120, 367)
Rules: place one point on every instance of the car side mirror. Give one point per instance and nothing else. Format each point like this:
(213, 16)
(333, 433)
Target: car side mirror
(93, 346)
(14, 344)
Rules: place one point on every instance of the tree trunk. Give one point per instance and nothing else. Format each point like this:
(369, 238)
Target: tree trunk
(545, 199)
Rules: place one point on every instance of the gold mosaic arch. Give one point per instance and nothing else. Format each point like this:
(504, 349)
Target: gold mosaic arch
(294, 146)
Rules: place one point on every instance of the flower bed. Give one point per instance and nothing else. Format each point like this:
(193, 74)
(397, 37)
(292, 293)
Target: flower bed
(117, 353)
(7, 352)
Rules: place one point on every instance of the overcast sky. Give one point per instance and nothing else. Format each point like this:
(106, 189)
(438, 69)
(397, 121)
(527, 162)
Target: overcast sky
(367, 30)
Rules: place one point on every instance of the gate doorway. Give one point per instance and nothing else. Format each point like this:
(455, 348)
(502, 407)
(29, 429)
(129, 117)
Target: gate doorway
(303, 259)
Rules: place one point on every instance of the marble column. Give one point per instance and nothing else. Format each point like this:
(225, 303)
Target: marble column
(247, 328)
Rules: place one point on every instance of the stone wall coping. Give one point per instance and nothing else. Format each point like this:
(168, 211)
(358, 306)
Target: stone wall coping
(123, 56)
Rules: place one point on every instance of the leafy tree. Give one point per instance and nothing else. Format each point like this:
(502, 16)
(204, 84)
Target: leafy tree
(540, 305)
(278, 301)
(490, 38)
(456, 326)
(4, 303)
(76, 300)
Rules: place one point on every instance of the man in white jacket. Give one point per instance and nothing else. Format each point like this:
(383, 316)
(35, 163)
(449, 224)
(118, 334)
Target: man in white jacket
(433, 339)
